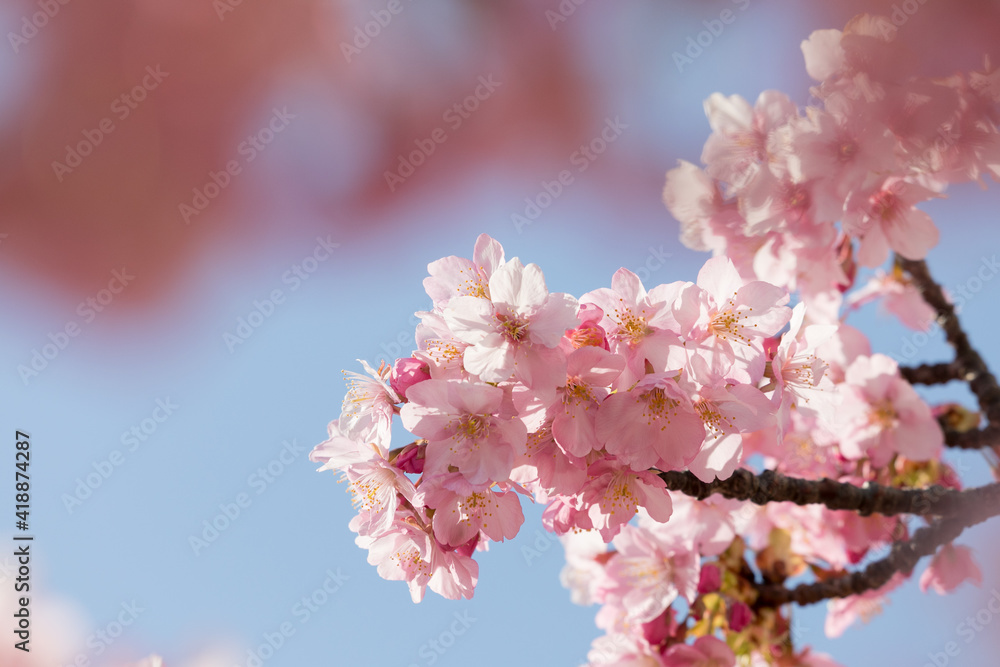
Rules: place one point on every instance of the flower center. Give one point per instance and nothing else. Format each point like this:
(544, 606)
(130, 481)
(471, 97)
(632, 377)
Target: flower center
(709, 413)
(630, 325)
(586, 336)
(727, 324)
(577, 391)
(659, 406)
(847, 150)
(474, 427)
(884, 204)
(619, 496)
(884, 414)
(513, 329)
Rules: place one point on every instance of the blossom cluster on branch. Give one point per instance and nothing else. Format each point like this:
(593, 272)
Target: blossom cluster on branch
(629, 411)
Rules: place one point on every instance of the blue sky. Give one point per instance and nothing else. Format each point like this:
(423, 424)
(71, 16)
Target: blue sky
(262, 405)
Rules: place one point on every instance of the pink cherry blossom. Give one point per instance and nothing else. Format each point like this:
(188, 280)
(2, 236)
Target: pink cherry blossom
(590, 371)
(647, 574)
(462, 510)
(548, 466)
(706, 651)
(950, 566)
(586, 553)
(710, 525)
(898, 296)
(727, 412)
(725, 319)
(464, 426)
(840, 149)
(453, 276)
(742, 140)
(614, 495)
(439, 348)
(369, 405)
(800, 375)
(882, 415)
(695, 200)
(375, 485)
(517, 330)
(639, 324)
(842, 612)
(885, 218)
(622, 650)
(652, 424)
(409, 553)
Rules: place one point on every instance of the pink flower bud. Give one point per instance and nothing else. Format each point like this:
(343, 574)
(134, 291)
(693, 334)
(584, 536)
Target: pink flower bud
(411, 459)
(406, 373)
(740, 616)
(710, 579)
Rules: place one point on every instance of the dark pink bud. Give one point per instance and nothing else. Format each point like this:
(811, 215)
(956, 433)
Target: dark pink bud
(411, 459)
(406, 373)
(740, 616)
(660, 628)
(771, 346)
(710, 579)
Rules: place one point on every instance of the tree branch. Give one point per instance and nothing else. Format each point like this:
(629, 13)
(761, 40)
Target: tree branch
(770, 486)
(978, 439)
(970, 365)
(932, 373)
(903, 558)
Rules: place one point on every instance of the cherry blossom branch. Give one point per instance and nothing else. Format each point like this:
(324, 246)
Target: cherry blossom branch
(978, 439)
(770, 486)
(969, 363)
(902, 558)
(932, 373)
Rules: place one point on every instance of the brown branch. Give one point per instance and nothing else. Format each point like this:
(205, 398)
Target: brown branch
(970, 365)
(978, 439)
(902, 558)
(770, 486)
(932, 373)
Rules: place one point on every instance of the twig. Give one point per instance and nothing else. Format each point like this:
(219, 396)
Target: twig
(770, 486)
(970, 365)
(903, 558)
(932, 373)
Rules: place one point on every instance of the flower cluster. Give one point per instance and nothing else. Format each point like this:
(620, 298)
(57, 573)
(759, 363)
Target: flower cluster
(580, 404)
(777, 180)
(515, 391)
